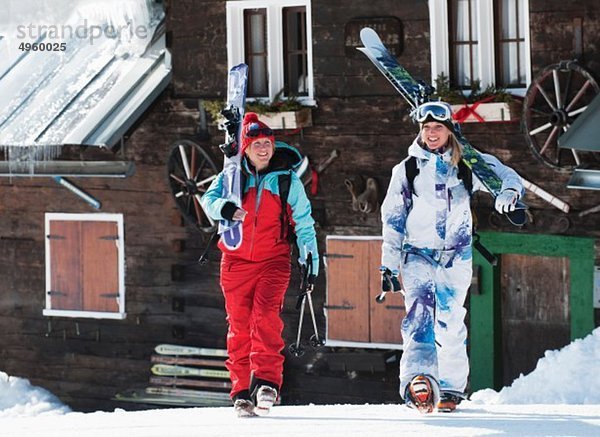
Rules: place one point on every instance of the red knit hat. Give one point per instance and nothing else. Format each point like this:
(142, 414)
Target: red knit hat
(253, 129)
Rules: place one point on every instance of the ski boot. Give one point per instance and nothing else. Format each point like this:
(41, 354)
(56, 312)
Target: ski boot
(244, 408)
(422, 394)
(265, 398)
(243, 405)
(449, 400)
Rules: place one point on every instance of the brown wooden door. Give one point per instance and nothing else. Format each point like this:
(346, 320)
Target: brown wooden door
(535, 310)
(347, 290)
(386, 317)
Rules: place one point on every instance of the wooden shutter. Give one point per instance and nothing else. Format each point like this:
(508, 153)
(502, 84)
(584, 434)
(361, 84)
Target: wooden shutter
(353, 282)
(65, 289)
(387, 316)
(84, 270)
(100, 266)
(347, 290)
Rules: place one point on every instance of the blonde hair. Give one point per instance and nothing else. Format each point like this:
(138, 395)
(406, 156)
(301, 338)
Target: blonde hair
(456, 149)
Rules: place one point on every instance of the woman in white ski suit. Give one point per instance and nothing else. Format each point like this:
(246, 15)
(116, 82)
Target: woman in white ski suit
(427, 237)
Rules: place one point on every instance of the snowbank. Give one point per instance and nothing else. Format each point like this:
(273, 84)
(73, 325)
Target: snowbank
(19, 398)
(566, 376)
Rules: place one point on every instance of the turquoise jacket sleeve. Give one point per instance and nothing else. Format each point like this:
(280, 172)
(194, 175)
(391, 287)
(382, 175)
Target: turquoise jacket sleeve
(304, 225)
(212, 201)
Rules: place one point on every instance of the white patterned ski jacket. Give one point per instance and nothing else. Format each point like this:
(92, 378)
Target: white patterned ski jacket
(438, 213)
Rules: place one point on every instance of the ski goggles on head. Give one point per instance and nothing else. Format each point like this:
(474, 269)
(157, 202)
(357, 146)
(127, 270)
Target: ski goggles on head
(439, 111)
(255, 131)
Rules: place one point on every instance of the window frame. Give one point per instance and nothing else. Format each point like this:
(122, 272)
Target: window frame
(120, 243)
(275, 42)
(440, 50)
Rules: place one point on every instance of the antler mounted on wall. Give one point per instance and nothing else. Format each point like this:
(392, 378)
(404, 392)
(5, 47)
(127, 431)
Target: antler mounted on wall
(365, 195)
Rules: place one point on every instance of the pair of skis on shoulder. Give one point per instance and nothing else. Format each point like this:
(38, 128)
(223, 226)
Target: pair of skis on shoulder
(416, 93)
(231, 231)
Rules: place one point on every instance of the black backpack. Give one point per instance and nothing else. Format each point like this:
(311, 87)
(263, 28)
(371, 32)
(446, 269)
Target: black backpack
(412, 170)
(285, 181)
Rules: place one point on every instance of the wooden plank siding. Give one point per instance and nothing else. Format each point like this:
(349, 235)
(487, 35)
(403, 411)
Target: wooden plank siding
(170, 299)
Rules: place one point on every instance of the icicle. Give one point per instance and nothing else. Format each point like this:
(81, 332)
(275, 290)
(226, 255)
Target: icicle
(45, 97)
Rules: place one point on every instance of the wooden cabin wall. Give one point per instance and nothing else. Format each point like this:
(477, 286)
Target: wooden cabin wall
(85, 362)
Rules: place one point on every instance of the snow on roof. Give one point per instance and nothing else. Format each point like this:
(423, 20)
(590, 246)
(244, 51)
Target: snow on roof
(77, 72)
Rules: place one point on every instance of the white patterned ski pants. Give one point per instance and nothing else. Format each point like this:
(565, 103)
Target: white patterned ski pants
(433, 331)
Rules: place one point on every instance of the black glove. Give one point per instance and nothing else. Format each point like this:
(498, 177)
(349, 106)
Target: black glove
(389, 280)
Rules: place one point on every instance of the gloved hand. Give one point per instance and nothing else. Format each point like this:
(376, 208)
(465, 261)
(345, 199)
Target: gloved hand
(390, 280)
(506, 200)
(312, 253)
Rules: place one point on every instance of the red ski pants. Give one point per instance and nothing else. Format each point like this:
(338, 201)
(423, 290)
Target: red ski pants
(254, 293)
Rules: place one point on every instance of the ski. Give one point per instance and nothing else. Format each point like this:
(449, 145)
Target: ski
(171, 370)
(173, 349)
(165, 359)
(148, 397)
(177, 382)
(189, 393)
(231, 231)
(416, 93)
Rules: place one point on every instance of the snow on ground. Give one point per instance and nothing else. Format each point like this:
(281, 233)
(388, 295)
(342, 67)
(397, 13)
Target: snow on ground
(19, 398)
(567, 381)
(567, 376)
(316, 421)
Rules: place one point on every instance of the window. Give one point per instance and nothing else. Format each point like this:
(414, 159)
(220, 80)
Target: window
(463, 43)
(275, 43)
(85, 265)
(481, 40)
(255, 23)
(510, 43)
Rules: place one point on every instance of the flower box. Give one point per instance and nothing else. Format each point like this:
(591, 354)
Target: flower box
(487, 112)
(287, 119)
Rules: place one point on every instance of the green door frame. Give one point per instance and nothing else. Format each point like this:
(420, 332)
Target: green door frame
(485, 317)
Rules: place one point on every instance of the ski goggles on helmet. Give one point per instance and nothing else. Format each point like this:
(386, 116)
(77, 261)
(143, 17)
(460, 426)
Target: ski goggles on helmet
(439, 111)
(255, 131)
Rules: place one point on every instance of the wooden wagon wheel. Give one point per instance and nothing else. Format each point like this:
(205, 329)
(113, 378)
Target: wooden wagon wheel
(555, 98)
(191, 169)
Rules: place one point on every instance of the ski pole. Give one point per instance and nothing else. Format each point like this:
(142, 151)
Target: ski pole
(295, 348)
(315, 341)
(306, 287)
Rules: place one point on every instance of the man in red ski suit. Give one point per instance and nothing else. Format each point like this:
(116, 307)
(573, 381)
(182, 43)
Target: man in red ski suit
(255, 277)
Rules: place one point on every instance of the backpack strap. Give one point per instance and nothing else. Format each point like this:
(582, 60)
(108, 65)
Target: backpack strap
(284, 181)
(411, 169)
(465, 174)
